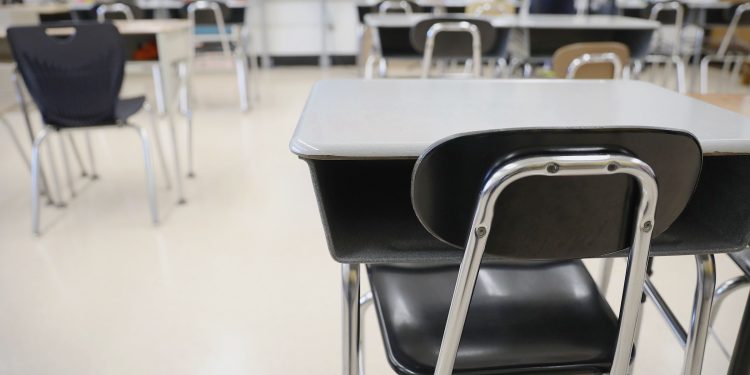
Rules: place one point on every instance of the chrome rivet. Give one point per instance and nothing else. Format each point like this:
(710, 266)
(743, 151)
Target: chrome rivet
(612, 167)
(481, 232)
(553, 168)
(647, 226)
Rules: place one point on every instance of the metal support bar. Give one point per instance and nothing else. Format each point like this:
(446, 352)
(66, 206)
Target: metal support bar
(350, 321)
(695, 346)
(21, 99)
(601, 58)
(459, 27)
(556, 165)
(740, 363)
(666, 312)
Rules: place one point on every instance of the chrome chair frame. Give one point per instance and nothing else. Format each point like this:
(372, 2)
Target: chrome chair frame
(104, 9)
(674, 57)
(39, 141)
(599, 58)
(722, 291)
(218, 17)
(462, 27)
(387, 5)
(239, 57)
(374, 56)
(556, 165)
(721, 54)
(637, 282)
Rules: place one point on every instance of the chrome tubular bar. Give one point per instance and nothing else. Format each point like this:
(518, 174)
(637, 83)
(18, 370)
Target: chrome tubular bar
(699, 321)
(104, 9)
(350, 314)
(561, 165)
(386, 6)
(599, 58)
(461, 27)
(666, 312)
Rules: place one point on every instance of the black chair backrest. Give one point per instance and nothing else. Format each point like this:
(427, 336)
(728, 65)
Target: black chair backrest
(206, 16)
(453, 44)
(666, 16)
(111, 16)
(552, 7)
(75, 79)
(552, 217)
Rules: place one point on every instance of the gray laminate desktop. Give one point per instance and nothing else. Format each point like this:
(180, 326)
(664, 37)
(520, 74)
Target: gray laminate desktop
(400, 118)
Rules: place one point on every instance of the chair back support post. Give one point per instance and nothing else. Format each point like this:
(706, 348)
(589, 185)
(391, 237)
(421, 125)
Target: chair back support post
(459, 27)
(732, 28)
(104, 9)
(595, 164)
(600, 58)
(386, 6)
(674, 6)
(214, 7)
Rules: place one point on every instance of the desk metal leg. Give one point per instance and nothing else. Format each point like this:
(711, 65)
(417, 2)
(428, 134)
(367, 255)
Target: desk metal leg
(350, 318)
(740, 364)
(699, 321)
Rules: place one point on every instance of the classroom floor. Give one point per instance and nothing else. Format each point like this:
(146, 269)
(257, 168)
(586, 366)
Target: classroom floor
(238, 280)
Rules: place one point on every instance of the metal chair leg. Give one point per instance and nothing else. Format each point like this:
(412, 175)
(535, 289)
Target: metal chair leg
(382, 67)
(240, 63)
(159, 145)
(369, 65)
(178, 167)
(35, 164)
(350, 321)
(77, 155)
(90, 148)
(704, 73)
(55, 176)
(725, 289)
(698, 333)
(21, 99)
(680, 74)
(188, 112)
(159, 89)
(66, 164)
(364, 303)
(150, 180)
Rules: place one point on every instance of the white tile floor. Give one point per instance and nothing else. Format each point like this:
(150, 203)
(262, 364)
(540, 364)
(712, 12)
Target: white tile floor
(238, 281)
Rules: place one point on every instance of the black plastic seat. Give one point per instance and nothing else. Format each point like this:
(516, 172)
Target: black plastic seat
(125, 108)
(523, 317)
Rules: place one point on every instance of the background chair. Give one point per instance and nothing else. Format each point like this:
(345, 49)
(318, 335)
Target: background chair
(598, 60)
(737, 15)
(74, 73)
(209, 21)
(118, 11)
(488, 192)
(383, 7)
(669, 44)
(453, 38)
